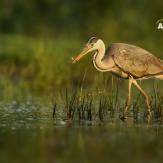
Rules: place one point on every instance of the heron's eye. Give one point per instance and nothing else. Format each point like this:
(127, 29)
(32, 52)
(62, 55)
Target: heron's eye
(91, 45)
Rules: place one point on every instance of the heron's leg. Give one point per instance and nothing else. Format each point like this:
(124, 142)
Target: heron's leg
(144, 94)
(129, 97)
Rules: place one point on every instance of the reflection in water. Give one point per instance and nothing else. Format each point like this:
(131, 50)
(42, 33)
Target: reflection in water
(28, 134)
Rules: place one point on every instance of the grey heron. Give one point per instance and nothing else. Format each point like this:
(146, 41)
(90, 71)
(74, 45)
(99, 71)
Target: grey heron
(126, 61)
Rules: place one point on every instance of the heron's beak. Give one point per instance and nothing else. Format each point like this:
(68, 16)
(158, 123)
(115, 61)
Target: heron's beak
(82, 53)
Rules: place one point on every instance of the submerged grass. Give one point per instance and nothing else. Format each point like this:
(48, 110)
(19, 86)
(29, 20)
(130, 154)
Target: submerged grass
(104, 106)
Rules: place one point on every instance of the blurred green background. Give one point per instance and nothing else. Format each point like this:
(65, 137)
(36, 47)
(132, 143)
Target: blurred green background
(38, 38)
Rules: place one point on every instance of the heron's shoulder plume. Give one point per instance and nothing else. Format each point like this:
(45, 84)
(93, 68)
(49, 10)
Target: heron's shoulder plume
(93, 40)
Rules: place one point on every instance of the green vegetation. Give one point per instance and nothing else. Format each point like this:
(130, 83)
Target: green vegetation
(103, 106)
(35, 64)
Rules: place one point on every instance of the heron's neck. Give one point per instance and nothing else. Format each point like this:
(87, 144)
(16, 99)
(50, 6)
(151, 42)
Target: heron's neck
(97, 58)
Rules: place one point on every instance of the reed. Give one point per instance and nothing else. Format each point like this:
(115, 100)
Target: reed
(102, 106)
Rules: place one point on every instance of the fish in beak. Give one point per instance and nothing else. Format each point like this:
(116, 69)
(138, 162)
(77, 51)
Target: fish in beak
(86, 50)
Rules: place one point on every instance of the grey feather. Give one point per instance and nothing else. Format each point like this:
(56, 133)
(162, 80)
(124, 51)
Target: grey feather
(135, 60)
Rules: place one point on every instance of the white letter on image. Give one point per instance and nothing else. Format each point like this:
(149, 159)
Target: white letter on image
(160, 26)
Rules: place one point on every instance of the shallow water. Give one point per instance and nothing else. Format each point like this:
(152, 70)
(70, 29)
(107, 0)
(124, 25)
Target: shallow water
(28, 133)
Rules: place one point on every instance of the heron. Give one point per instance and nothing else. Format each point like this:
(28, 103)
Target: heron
(125, 61)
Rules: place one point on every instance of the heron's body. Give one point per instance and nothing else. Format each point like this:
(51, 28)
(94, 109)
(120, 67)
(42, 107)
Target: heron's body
(126, 61)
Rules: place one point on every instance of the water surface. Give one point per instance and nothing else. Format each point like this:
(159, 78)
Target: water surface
(28, 133)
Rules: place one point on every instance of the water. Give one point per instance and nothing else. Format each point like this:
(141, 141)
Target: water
(28, 133)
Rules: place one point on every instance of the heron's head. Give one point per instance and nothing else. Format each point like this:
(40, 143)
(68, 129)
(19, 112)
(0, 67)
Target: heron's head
(92, 45)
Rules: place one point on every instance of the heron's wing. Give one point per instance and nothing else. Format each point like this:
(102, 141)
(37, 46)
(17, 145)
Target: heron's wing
(137, 61)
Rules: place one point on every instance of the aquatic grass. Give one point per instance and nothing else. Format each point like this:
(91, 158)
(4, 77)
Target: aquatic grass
(78, 106)
(157, 103)
(105, 106)
(86, 106)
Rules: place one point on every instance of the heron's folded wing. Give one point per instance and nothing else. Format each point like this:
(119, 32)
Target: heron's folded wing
(137, 62)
